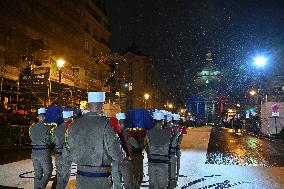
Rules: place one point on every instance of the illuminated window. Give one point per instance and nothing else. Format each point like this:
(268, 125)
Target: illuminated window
(86, 47)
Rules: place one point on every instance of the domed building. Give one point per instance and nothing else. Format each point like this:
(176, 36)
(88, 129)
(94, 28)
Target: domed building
(206, 103)
(210, 76)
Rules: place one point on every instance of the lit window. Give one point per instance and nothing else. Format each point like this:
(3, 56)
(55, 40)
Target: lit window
(86, 47)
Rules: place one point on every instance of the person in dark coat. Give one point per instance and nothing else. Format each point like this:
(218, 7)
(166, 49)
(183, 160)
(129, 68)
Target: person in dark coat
(158, 139)
(93, 145)
(63, 164)
(40, 135)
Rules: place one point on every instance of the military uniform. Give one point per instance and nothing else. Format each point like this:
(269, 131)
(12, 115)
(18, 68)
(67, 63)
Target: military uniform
(63, 164)
(41, 154)
(158, 139)
(137, 139)
(127, 169)
(173, 158)
(116, 166)
(93, 146)
(179, 140)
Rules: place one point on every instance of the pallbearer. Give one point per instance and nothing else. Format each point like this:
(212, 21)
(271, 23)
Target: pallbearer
(93, 145)
(138, 121)
(63, 164)
(182, 131)
(173, 151)
(125, 170)
(116, 167)
(41, 151)
(158, 139)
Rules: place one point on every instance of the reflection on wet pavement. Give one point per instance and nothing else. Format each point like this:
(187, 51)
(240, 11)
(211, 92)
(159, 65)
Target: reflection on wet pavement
(228, 148)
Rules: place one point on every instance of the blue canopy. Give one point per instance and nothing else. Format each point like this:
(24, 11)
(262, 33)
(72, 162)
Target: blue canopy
(139, 118)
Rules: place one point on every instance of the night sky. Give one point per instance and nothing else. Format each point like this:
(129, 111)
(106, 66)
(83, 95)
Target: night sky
(178, 33)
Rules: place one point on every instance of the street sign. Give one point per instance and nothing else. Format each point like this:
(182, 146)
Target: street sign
(275, 114)
(275, 108)
(247, 115)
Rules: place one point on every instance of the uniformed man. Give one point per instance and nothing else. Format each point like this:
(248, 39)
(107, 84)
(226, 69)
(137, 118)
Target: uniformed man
(137, 121)
(93, 146)
(63, 164)
(116, 166)
(173, 151)
(41, 151)
(137, 156)
(183, 131)
(127, 166)
(158, 139)
(173, 157)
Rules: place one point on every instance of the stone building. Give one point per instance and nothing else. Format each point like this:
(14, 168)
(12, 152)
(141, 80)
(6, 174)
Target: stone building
(206, 103)
(35, 34)
(141, 82)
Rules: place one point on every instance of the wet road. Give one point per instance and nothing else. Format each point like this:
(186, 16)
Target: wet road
(229, 148)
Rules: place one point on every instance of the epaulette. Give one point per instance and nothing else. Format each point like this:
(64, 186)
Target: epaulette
(170, 130)
(68, 123)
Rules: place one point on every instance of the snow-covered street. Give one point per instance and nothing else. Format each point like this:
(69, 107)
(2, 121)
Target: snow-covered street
(194, 172)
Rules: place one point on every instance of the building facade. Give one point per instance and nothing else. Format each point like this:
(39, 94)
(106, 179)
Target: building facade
(141, 87)
(35, 34)
(206, 104)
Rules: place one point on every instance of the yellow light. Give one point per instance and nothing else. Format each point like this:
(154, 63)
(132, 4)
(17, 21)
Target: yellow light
(60, 63)
(182, 111)
(171, 106)
(238, 105)
(146, 96)
(83, 105)
(189, 114)
(252, 92)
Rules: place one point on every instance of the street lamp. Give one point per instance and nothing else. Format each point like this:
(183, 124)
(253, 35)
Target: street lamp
(252, 93)
(260, 61)
(60, 64)
(171, 106)
(146, 97)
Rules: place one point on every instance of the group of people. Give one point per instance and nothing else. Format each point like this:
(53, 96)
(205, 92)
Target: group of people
(107, 152)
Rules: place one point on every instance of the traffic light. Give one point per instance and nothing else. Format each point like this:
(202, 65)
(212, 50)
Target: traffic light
(251, 109)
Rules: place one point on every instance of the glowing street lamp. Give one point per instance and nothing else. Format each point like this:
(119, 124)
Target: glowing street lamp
(146, 96)
(252, 93)
(171, 106)
(260, 61)
(60, 63)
